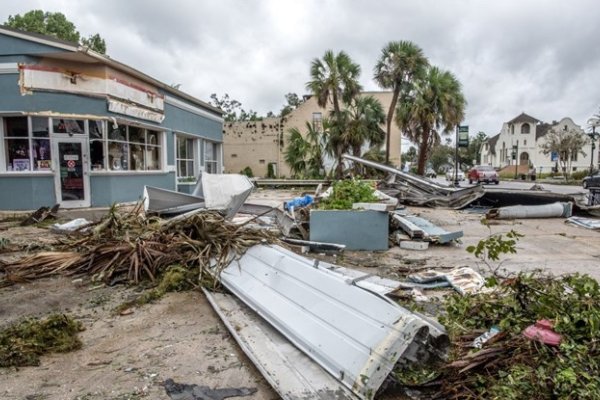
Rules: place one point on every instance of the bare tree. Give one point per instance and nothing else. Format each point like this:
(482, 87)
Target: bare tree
(567, 143)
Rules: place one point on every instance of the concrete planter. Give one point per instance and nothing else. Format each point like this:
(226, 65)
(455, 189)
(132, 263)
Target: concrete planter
(357, 229)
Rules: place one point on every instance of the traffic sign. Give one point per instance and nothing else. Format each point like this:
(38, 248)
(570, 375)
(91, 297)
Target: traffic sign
(463, 136)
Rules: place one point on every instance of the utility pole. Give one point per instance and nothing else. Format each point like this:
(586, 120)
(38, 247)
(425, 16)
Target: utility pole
(456, 159)
(462, 140)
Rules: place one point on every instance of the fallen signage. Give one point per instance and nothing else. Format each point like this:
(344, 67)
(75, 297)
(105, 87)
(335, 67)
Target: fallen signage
(416, 190)
(355, 335)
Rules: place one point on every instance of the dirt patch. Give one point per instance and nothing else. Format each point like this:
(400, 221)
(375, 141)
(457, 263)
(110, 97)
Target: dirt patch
(125, 357)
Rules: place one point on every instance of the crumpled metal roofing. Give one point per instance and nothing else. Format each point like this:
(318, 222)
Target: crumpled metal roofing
(355, 335)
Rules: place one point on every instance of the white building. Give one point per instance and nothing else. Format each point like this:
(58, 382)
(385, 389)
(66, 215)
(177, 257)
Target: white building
(526, 135)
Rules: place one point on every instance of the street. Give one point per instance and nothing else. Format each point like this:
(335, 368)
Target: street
(511, 184)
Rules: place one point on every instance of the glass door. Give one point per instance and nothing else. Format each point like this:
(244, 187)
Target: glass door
(71, 176)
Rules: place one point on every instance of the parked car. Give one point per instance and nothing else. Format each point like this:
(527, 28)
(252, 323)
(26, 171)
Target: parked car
(430, 173)
(591, 180)
(450, 175)
(483, 173)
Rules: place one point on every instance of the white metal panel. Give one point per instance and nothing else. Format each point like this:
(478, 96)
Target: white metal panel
(353, 334)
(289, 371)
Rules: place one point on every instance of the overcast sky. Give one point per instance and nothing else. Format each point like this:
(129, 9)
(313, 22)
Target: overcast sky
(541, 57)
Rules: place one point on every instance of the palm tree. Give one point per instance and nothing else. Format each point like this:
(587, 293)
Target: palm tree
(400, 63)
(366, 118)
(435, 106)
(333, 76)
(358, 123)
(295, 153)
(304, 153)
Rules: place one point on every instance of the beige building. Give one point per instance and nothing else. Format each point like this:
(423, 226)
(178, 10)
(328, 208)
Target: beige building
(256, 144)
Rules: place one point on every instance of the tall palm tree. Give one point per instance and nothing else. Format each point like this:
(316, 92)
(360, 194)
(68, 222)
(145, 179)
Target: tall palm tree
(332, 77)
(400, 63)
(435, 106)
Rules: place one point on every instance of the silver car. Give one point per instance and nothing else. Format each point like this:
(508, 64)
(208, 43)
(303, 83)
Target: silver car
(450, 176)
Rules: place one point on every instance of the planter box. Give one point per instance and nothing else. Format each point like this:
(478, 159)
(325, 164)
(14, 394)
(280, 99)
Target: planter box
(357, 229)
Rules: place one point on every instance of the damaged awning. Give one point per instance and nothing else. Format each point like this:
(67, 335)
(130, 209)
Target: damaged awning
(357, 336)
(225, 192)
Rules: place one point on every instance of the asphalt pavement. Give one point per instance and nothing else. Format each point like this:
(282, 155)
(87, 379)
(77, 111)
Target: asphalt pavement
(517, 184)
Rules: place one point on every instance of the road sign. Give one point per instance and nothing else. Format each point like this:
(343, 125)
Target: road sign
(463, 136)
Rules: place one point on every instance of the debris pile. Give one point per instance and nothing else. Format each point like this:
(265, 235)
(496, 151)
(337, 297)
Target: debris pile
(505, 341)
(415, 190)
(130, 247)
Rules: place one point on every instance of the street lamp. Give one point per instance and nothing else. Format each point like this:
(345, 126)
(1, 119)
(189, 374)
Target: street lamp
(593, 122)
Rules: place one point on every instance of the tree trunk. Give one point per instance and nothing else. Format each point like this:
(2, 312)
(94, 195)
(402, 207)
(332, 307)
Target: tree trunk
(423, 146)
(390, 117)
(357, 166)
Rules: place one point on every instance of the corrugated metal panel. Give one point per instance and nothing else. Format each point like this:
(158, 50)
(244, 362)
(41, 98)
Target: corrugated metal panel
(289, 371)
(355, 335)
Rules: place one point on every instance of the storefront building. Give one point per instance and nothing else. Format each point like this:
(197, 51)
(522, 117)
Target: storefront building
(81, 129)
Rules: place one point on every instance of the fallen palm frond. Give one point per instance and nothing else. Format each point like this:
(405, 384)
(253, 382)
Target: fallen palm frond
(129, 247)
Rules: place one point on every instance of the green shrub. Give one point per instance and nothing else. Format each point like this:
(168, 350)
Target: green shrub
(347, 192)
(579, 175)
(247, 171)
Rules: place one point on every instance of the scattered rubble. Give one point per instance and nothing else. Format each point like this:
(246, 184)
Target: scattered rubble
(321, 330)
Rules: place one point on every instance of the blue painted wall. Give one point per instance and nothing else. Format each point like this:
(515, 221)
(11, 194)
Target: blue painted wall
(26, 192)
(12, 45)
(16, 59)
(108, 189)
(184, 121)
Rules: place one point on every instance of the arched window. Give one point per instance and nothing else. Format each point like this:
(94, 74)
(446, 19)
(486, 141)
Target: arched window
(525, 128)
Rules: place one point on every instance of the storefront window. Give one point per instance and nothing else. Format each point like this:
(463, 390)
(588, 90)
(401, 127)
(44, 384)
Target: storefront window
(64, 125)
(28, 144)
(132, 148)
(152, 150)
(96, 130)
(25, 151)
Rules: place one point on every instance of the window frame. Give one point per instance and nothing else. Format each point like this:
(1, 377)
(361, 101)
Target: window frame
(194, 159)
(30, 142)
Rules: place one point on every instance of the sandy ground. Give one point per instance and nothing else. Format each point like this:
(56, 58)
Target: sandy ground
(180, 337)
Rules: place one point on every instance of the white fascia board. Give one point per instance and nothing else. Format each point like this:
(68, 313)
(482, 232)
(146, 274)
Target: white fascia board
(9, 68)
(194, 110)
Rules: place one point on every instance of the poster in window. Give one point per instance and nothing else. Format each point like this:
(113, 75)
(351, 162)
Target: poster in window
(21, 164)
(44, 165)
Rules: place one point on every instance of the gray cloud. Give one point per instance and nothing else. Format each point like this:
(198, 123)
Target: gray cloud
(535, 56)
